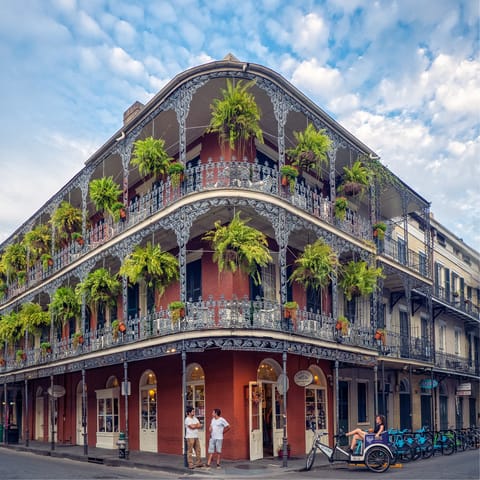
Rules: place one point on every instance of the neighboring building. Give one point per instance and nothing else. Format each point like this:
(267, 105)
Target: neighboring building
(232, 346)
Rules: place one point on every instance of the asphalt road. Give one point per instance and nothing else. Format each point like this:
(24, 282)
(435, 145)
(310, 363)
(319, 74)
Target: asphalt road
(24, 465)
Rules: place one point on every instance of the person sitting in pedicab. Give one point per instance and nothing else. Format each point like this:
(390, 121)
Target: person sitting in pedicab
(359, 434)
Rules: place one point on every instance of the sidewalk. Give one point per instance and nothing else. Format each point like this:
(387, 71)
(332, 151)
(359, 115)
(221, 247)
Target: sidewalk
(167, 462)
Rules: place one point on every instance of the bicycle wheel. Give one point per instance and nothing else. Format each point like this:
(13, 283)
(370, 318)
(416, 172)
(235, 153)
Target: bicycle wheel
(405, 454)
(427, 450)
(310, 458)
(448, 447)
(377, 460)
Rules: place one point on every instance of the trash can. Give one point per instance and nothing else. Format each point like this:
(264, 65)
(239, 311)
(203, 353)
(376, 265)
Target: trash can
(12, 434)
(1, 432)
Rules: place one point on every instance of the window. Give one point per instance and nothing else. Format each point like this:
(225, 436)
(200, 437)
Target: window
(402, 251)
(362, 402)
(422, 263)
(442, 331)
(457, 336)
(441, 240)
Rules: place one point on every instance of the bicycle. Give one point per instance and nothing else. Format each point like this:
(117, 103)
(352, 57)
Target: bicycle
(375, 454)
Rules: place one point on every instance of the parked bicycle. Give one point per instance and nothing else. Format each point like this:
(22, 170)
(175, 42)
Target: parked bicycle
(374, 453)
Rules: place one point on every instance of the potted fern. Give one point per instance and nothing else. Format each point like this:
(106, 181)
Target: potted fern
(151, 157)
(104, 194)
(237, 246)
(177, 310)
(66, 220)
(46, 347)
(311, 149)
(176, 171)
(341, 204)
(156, 267)
(342, 325)
(379, 230)
(359, 278)
(289, 176)
(356, 179)
(236, 117)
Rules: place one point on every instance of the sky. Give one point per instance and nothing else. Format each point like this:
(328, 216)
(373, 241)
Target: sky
(402, 76)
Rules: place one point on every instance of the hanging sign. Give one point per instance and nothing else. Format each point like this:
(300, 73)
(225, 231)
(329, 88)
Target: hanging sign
(280, 384)
(303, 378)
(428, 383)
(56, 391)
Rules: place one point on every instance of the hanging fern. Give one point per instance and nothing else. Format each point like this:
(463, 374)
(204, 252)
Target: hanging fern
(64, 305)
(104, 194)
(99, 287)
(311, 149)
(33, 318)
(358, 278)
(315, 267)
(156, 267)
(150, 156)
(236, 116)
(66, 220)
(239, 246)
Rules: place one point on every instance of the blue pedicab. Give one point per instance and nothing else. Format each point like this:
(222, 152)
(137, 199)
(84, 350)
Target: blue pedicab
(374, 453)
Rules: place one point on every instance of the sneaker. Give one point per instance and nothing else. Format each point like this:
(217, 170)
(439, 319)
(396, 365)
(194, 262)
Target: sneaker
(207, 465)
(218, 465)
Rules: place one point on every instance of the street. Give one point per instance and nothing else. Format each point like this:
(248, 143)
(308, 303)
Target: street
(24, 465)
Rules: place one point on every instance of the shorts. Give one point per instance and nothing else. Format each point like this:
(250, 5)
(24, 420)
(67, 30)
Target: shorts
(215, 445)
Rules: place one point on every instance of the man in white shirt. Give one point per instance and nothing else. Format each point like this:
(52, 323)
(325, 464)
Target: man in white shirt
(218, 426)
(192, 425)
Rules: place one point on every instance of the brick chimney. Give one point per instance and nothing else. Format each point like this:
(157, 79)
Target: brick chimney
(132, 111)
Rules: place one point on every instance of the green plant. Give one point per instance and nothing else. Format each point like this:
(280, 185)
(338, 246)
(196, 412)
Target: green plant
(20, 355)
(239, 246)
(236, 116)
(178, 310)
(150, 263)
(66, 220)
(99, 287)
(104, 193)
(38, 241)
(64, 306)
(151, 157)
(77, 339)
(176, 171)
(47, 261)
(311, 149)
(14, 261)
(33, 318)
(341, 205)
(379, 230)
(77, 237)
(46, 347)
(315, 266)
(356, 179)
(289, 175)
(342, 325)
(11, 328)
(358, 278)
(291, 304)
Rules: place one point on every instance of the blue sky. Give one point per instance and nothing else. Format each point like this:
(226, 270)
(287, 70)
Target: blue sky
(403, 76)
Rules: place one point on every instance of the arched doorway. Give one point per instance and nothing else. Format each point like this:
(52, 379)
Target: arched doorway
(196, 398)
(39, 414)
(316, 406)
(108, 410)
(265, 411)
(148, 412)
(79, 414)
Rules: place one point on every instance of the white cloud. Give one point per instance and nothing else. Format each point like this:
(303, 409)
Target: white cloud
(124, 33)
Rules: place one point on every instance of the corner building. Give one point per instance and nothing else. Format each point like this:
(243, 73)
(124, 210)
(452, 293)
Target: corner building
(233, 347)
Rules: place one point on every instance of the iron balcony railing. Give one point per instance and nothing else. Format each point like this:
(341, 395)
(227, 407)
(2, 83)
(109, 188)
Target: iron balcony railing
(242, 175)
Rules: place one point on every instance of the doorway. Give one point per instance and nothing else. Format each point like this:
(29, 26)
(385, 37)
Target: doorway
(39, 415)
(79, 415)
(148, 412)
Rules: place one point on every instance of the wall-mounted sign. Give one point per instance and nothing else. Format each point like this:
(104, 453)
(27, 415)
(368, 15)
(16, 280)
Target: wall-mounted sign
(428, 383)
(464, 386)
(463, 393)
(56, 391)
(282, 382)
(303, 378)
